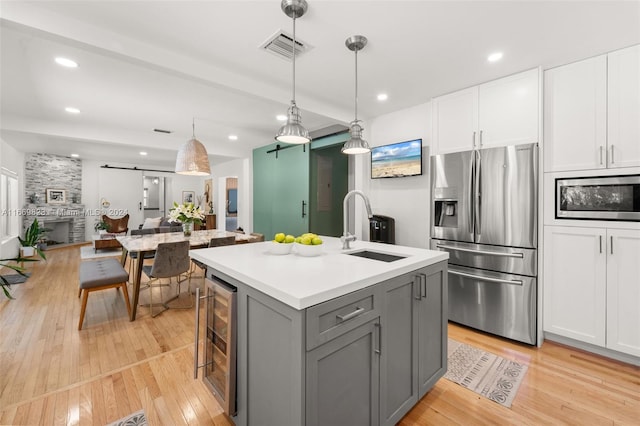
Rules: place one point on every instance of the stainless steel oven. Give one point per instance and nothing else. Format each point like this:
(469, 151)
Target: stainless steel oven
(599, 198)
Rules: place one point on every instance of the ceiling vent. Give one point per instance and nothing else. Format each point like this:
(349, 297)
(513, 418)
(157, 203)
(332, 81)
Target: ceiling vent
(280, 44)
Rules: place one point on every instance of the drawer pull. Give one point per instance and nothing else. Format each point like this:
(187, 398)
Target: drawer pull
(353, 314)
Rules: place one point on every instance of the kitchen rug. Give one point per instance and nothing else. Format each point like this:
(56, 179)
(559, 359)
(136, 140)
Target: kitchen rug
(16, 278)
(136, 419)
(487, 374)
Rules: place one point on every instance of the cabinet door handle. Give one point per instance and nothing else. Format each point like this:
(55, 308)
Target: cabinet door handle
(600, 155)
(473, 140)
(480, 138)
(600, 238)
(353, 314)
(612, 160)
(416, 287)
(611, 243)
(378, 349)
(423, 285)
(303, 211)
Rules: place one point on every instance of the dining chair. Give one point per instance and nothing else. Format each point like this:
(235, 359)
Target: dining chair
(134, 255)
(171, 260)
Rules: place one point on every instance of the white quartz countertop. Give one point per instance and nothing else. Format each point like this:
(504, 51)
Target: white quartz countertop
(300, 281)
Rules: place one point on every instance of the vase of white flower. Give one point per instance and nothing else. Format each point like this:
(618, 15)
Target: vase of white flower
(187, 214)
(187, 227)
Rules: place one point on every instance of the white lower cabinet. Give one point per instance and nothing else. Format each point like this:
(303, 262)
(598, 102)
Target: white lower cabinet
(592, 286)
(623, 291)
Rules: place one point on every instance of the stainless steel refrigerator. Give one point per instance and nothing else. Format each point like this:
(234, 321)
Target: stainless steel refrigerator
(484, 213)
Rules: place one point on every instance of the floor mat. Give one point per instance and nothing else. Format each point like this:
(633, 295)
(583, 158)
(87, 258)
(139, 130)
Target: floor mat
(487, 374)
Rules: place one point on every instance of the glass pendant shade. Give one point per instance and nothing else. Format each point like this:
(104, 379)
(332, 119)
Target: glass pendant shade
(193, 159)
(355, 144)
(292, 131)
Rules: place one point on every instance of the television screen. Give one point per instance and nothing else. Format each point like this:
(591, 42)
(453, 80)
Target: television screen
(397, 160)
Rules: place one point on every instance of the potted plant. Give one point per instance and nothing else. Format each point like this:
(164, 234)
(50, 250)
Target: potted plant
(32, 236)
(101, 227)
(19, 269)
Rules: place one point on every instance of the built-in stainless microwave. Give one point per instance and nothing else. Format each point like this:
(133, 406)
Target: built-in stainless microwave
(599, 198)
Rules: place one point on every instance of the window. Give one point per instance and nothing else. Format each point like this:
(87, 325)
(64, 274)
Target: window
(9, 219)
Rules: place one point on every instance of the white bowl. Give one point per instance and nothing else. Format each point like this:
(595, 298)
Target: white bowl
(308, 250)
(280, 248)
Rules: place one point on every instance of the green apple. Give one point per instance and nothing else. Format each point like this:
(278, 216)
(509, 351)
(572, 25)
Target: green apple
(306, 241)
(279, 237)
(289, 239)
(316, 241)
(298, 240)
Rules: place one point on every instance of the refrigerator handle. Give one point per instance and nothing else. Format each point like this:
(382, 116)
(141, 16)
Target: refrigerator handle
(478, 184)
(471, 192)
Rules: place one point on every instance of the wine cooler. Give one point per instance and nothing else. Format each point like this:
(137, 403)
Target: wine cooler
(219, 366)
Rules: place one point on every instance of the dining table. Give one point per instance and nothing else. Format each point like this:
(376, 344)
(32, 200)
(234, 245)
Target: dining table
(148, 243)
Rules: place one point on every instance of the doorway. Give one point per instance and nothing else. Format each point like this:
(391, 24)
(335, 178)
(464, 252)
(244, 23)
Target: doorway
(153, 196)
(231, 203)
(327, 187)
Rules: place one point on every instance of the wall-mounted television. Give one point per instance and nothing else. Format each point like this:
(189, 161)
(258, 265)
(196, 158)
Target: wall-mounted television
(397, 160)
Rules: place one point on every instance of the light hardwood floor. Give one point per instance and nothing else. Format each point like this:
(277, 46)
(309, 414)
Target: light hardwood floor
(51, 373)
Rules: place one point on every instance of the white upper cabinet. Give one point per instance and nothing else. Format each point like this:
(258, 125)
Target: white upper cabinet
(591, 112)
(499, 113)
(575, 115)
(624, 107)
(455, 121)
(508, 110)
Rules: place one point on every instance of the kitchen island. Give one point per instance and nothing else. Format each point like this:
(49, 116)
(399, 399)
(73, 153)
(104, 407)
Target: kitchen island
(334, 339)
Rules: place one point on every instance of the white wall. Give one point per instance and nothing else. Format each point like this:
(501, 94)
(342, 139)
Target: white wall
(12, 160)
(92, 192)
(405, 199)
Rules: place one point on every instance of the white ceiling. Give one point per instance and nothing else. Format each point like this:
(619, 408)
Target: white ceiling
(160, 64)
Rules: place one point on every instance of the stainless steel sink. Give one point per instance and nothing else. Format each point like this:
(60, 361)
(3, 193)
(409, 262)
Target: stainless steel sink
(376, 255)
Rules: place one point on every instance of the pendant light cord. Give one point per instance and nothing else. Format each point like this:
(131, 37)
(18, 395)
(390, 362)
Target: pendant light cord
(356, 98)
(293, 52)
(193, 127)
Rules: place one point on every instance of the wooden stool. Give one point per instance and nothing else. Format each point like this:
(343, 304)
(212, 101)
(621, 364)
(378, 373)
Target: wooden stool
(101, 275)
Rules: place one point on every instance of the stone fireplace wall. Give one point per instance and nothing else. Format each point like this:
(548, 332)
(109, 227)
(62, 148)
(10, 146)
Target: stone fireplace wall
(48, 171)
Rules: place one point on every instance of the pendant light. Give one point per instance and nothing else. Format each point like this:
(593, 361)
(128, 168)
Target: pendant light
(293, 131)
(192, 157)
(355, 144)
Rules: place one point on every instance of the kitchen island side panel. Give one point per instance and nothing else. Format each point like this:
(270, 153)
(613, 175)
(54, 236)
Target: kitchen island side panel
(270, 387)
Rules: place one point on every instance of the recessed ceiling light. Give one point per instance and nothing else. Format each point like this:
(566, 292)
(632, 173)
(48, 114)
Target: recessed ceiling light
(233, 137)
(143, 153)
(75, 155)
(494, 57)
(281, 117)
(72, 110)
(382, 97)
(66, 62)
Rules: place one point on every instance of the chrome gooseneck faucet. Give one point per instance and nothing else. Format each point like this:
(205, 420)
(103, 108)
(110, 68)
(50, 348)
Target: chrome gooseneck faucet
(346, 236)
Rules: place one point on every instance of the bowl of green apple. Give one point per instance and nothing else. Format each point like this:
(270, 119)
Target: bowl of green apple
(308, 245)
(281, 244)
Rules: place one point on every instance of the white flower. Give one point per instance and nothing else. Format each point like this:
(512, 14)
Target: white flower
(185, 213)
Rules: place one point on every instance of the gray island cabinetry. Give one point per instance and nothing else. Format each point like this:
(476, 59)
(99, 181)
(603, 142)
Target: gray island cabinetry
(352, 342)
